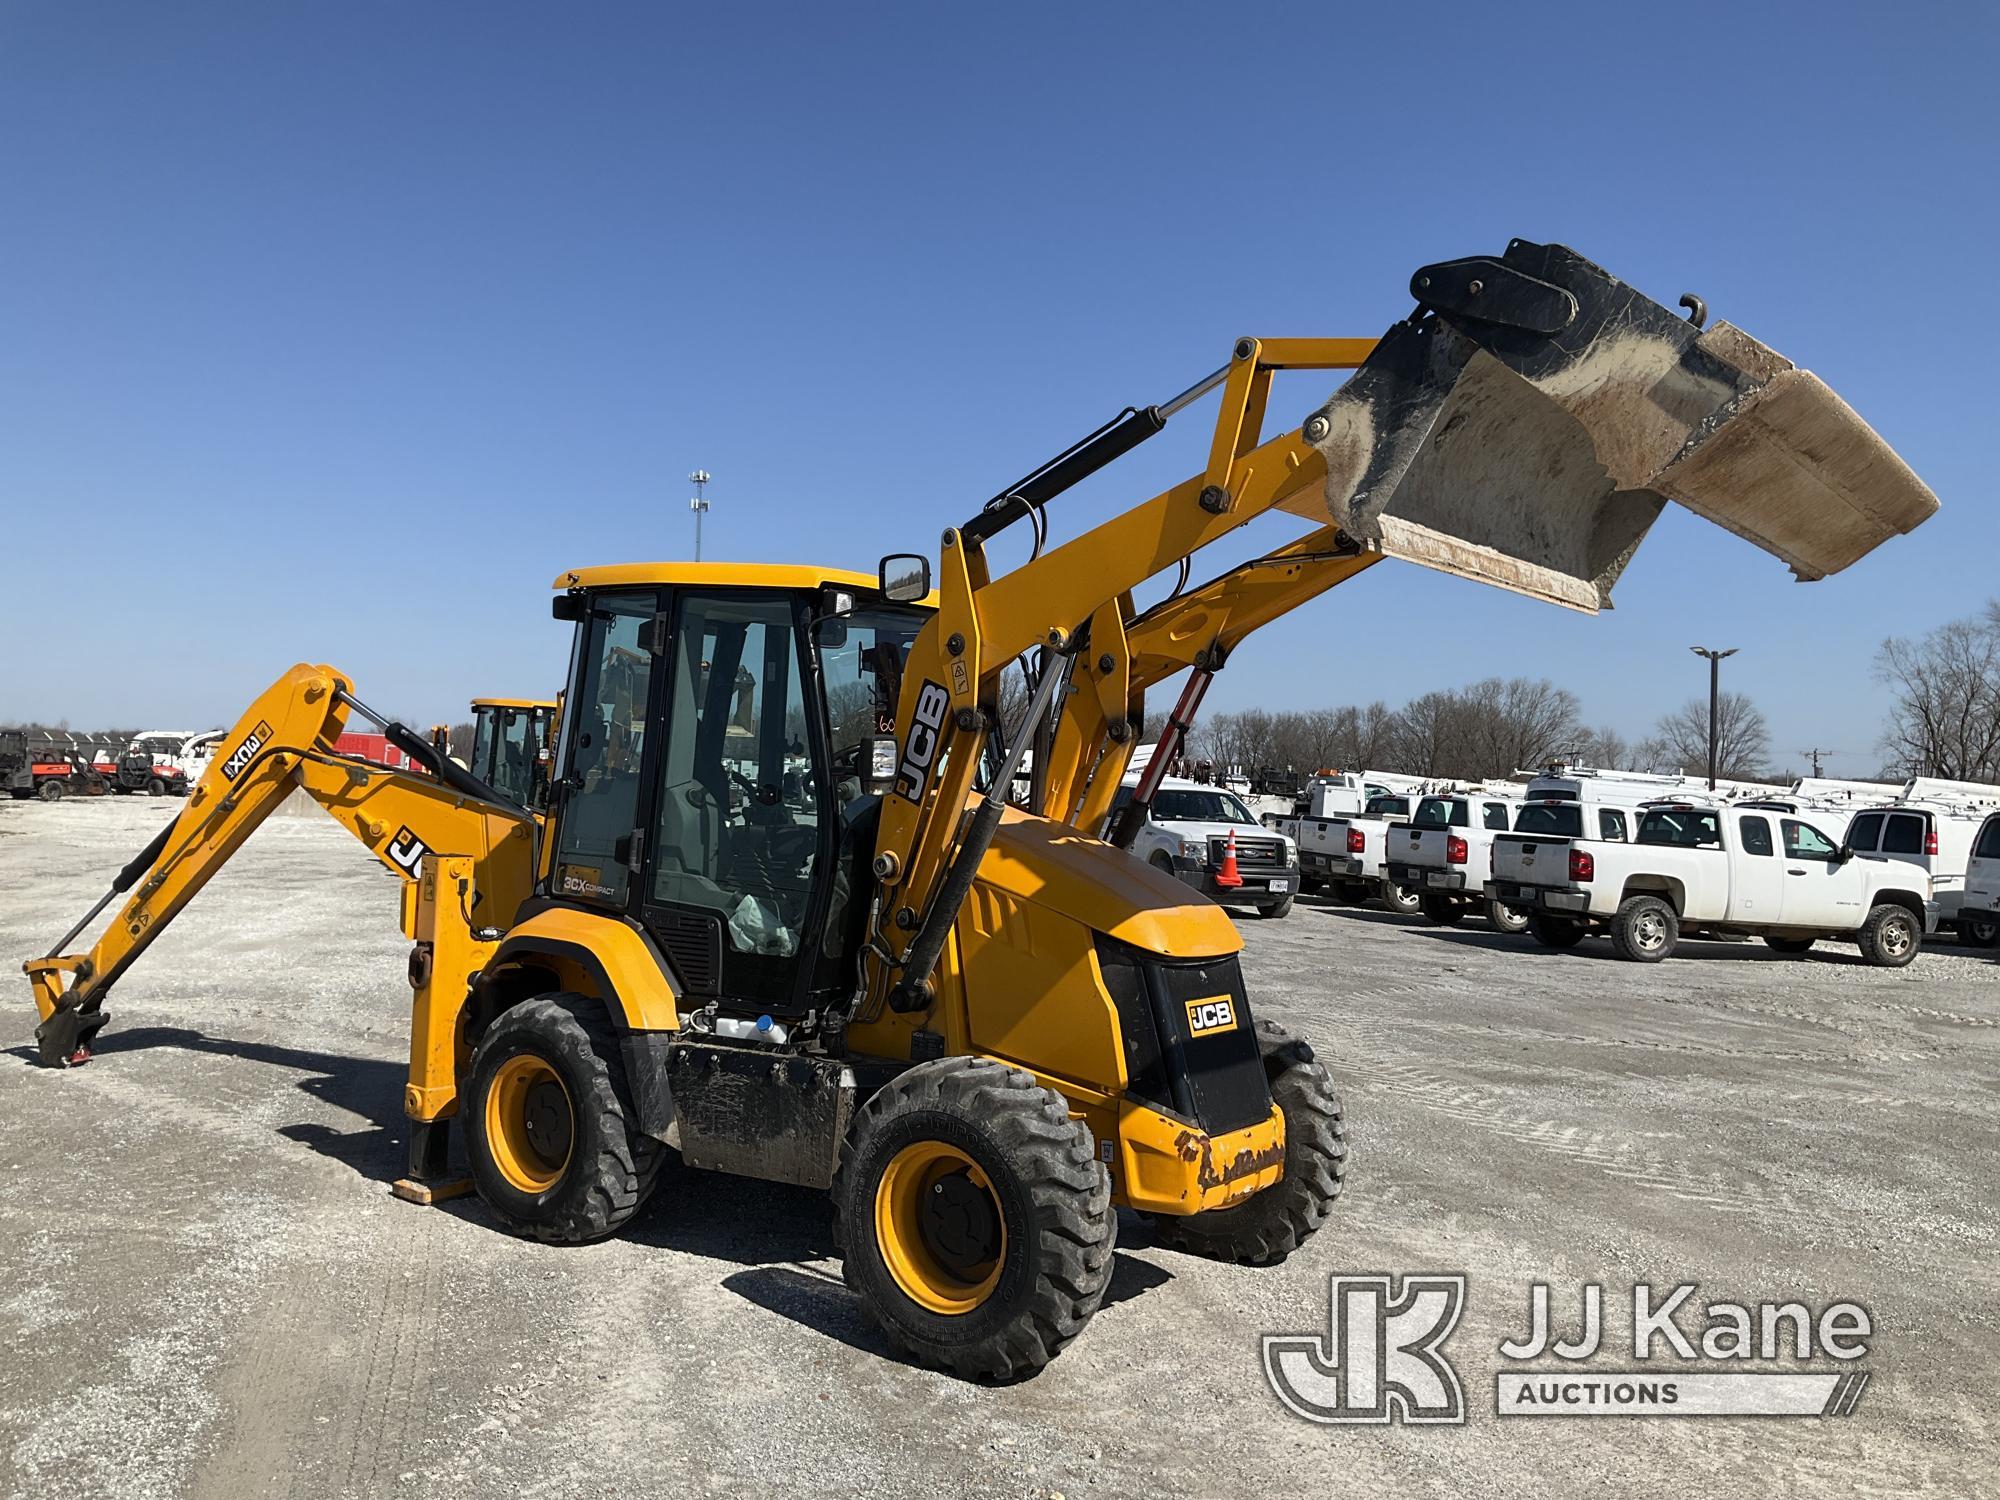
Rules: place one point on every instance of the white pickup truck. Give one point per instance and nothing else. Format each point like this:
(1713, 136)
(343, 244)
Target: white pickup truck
(1716, 869)
(1445, 854)
(1187, 833)
(1345, 852)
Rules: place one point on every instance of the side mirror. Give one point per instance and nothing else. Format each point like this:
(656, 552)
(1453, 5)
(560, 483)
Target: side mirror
(568, 607)
(1843, 854)
(904, 577)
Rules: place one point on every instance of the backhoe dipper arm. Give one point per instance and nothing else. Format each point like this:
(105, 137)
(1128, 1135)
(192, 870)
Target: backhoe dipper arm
(283, 743)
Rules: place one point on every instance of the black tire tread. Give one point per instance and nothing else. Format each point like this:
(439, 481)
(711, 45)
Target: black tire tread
(1268, 1227)
(1075, 1223)
(623, 1173)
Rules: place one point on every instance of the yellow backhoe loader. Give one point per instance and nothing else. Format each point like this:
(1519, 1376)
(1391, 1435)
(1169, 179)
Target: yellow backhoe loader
(782, 916)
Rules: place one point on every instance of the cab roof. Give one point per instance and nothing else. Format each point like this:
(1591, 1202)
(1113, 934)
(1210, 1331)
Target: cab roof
(548, 703)
(713, 575)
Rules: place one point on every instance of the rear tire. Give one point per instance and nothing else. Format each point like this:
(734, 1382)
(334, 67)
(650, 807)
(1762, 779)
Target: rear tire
(1504, 918)
(1442, 910)
(1353, 892)
(1891, 937)
(1979, 932)
(1012, 1262)
(1276, 909)
(549, 1128)
(1265, 1228)
(1401, 899)
(1645, 929)
(1556, 932)
(1792, 945)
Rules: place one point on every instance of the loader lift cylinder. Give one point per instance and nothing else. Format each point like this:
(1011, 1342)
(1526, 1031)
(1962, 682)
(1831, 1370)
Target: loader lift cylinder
(1132, 817)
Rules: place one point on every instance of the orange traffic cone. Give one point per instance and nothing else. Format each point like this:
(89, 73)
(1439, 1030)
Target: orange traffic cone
(1228, 877)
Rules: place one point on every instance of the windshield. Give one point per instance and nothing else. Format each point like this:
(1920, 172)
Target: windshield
(1558, 820)
(1440, 812)
(1203, 805)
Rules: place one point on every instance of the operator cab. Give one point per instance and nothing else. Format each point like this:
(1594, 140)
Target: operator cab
(720, 763)
(511, 740)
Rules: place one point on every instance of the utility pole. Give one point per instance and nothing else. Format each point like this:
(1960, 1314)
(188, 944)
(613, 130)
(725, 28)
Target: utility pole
(1714, 700)
(1816, 754)
(699, 505)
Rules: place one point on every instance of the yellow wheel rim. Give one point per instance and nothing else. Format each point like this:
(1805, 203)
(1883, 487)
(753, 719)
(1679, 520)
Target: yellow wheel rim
(940, 1227)
(530, 1125)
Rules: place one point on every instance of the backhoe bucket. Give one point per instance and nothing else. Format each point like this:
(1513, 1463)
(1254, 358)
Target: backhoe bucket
(1528, 424)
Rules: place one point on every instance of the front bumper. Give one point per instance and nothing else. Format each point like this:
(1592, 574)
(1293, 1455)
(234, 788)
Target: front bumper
(1258, 882)
(1559, 900)
(1169, 1167)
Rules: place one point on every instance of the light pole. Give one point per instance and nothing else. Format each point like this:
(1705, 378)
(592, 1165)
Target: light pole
(1714, 700)
(699, 479)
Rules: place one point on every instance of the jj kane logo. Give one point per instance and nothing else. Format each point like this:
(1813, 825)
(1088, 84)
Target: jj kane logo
(246, 752)
(1382, 1358)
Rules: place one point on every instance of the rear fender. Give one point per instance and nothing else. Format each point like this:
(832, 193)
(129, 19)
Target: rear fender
(1657, 885)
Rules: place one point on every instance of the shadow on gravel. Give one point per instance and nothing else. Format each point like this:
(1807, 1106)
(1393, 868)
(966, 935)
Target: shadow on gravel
(820, 1300)
(1600, 952)
(368, 1087)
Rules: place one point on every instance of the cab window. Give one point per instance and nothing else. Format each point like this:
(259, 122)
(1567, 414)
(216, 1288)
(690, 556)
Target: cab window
(1803, 841)
(1865, 833)
(1989, 840)
(1681, 827)
(1611, 825)
(1757, 836)
(1496, 815)
(1441, 812)
(1558, 820)
(1903, 833)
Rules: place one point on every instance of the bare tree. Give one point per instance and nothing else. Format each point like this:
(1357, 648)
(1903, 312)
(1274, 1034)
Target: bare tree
(1742, 741)
(1946, 719)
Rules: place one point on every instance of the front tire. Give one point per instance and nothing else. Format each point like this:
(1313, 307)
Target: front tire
(1891, 937)
(50, 791)
(1442, 910)
(155, 787)
(549, 1126)
(1645, 929)
(1276, 909)
(1265, 1228)
(973, 1218)
(1504, 918)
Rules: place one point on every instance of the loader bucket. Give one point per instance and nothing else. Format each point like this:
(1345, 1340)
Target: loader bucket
(1527, 424)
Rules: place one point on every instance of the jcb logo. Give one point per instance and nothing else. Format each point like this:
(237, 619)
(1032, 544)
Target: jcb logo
(920, 750)
(1382, 1359)
(406, 851)
(1215, 1014)
(246, 752)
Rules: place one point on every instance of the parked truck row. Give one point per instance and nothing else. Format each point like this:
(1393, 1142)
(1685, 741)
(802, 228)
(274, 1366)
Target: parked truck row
(1645, 860)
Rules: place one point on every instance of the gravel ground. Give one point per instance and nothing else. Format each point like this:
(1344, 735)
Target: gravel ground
(209, 1291)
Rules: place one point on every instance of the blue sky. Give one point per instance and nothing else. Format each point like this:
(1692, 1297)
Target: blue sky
(333, 332)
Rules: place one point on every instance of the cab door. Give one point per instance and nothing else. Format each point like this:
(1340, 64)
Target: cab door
(740, 817)
(1757, 876)
(1821, 889)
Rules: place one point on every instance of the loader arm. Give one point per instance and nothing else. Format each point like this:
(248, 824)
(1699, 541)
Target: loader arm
(1524, 427)
(468, 854)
